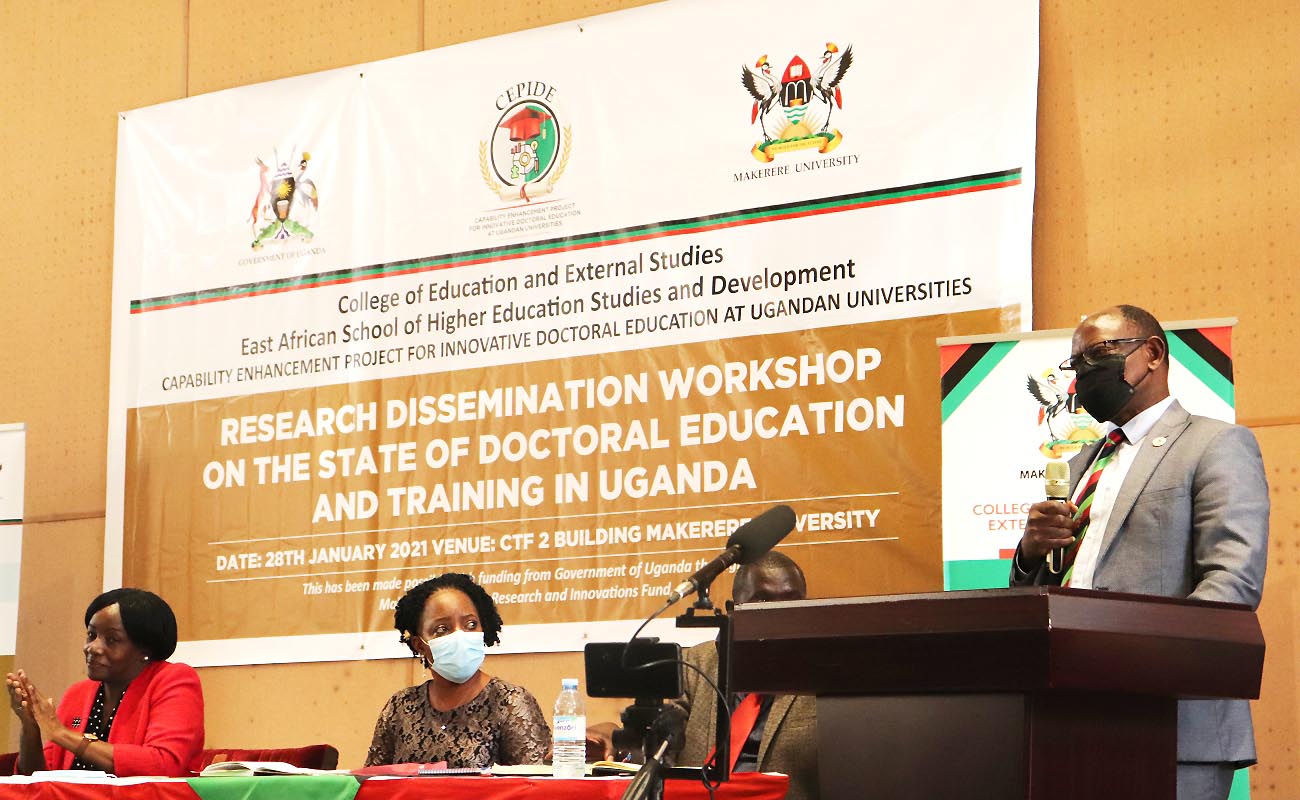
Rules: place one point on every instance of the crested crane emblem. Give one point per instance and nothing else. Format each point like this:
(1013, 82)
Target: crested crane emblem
(1067, 427)
(794, 112)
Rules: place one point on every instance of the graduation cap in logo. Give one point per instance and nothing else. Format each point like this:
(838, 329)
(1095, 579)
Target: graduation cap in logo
(525, 124)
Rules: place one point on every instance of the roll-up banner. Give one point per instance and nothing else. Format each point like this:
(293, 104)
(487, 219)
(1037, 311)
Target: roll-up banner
(1008, 409)
(13, 467)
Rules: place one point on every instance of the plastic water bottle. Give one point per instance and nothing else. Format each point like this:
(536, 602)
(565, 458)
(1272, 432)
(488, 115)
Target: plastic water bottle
(570, 742)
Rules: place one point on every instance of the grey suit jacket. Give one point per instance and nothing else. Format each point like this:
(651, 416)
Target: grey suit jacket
(789, 742)
(1190, 520)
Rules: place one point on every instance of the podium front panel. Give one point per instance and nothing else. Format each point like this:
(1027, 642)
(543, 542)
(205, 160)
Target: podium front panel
(1003, 640)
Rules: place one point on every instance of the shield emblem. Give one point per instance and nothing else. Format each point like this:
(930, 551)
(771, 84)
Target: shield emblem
(282, 194)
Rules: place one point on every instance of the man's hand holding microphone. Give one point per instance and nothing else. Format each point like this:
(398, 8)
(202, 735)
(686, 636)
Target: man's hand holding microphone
(1051, 526)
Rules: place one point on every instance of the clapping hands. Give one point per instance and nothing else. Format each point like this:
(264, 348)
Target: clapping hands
(31, 707)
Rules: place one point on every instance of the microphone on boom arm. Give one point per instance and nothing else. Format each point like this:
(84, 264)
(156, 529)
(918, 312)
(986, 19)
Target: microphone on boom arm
(748, 543)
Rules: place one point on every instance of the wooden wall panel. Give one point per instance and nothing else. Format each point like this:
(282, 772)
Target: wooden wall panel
(237, 42)
(1169, 153)
(283, 705)
(62, 572)
(1277, 714)
(68, 68)
(453, 21)
(288, 705)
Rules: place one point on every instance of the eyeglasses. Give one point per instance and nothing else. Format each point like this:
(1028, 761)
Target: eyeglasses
(1090, 357)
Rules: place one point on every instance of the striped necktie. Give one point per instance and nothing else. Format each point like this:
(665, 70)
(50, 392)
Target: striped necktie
(1084, 514)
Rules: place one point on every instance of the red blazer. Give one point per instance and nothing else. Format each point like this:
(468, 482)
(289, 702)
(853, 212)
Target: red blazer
(158, 729)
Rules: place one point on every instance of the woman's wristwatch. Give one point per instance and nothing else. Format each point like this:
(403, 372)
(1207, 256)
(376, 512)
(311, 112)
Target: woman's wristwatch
(86, 739)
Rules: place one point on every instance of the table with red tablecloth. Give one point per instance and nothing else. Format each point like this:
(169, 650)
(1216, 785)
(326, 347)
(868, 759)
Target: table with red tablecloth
(744, 786)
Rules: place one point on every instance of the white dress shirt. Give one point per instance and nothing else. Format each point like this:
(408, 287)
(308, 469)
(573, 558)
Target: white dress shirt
(1103, 499)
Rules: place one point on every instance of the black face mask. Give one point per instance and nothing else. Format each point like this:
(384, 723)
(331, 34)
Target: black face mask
(1101, 388)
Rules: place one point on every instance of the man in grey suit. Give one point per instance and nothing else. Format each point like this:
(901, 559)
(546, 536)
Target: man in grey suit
(1178, 507)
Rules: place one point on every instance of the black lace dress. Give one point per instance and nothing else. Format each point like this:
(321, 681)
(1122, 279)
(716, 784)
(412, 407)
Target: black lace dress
(503, 724)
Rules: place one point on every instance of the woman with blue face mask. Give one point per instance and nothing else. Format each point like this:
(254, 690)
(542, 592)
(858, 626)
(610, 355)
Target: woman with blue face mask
(461, 715)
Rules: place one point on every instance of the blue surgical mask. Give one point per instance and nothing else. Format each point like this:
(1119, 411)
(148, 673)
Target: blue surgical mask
(458, 655)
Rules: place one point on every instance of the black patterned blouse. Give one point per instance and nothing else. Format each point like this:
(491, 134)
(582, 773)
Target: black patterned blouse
(503, 724)
(99, 724)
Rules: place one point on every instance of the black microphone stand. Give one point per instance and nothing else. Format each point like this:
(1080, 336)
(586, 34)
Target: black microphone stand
(703, 614)
(749, 542)
(647, 784)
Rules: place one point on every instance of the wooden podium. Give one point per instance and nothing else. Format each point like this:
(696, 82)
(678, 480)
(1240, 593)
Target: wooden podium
(1035, 692)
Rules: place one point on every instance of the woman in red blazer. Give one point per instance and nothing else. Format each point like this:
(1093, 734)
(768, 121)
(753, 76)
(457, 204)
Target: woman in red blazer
(138, 714)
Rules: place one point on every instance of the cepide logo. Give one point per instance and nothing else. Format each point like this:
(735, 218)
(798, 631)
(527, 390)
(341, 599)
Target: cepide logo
(287, 201)
(793, 112)
(528, 149)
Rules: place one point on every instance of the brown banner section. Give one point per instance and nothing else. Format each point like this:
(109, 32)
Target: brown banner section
(574, 490)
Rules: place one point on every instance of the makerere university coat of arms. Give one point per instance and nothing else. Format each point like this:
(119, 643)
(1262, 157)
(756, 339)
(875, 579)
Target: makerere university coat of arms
(794, 113)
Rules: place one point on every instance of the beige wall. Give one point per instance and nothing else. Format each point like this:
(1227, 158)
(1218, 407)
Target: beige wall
(1168, 161)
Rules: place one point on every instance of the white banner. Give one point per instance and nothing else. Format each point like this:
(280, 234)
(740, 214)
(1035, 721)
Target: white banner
(452, 310)
(13, 467)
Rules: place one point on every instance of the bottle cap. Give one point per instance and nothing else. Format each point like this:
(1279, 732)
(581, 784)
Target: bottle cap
(569, 683)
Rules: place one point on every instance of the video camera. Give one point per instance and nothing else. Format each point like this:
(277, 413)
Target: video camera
(651, 673)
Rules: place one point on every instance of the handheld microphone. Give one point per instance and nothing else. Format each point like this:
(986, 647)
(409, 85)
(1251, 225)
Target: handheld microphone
(1058, 488)
(748, 543)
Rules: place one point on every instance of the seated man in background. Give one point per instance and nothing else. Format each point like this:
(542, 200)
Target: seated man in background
(782, 737)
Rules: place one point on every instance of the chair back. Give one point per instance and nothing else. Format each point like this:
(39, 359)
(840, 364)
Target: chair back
(312, 756)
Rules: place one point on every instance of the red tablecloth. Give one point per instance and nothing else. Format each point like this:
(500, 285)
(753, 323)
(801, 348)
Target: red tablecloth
(461, 787)
(458, 787)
